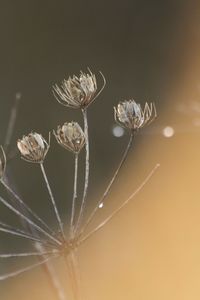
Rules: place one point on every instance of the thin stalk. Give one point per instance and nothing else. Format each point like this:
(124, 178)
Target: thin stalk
(19, 214)
(26, 254)
(52, 200)
(13, 274)
(54, 281)
(87, 169)
(12, 121)
(116, 211)
(72, 276)
(21, 208)
(106, 193)
(51, 274)
(76, 267)
(18, 204)
(28, 235)
(22, 234)
(20, 201)
(74, 194)
(17, 230)
(10, 227)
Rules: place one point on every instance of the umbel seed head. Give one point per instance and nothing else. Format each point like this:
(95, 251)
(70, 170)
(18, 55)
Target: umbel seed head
(33, 147)
(2, 162)
(77, 91)
(70, 136)
(130, 114)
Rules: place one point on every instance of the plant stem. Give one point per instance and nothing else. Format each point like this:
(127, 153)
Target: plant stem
(52, 200)
(21, 202)
(23, 234)
(122, 205)
(87, 169)
(25, 254)
(77, 271)
(72, 276)
(106, 193)
(51, 275)
(18, 272)
(12, 121)
(74, 195)
(22, 216)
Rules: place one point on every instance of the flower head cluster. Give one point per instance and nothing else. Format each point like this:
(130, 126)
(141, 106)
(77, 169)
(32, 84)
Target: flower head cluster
(70, 136)
(33, 147)
(130, 114)
(77, 92)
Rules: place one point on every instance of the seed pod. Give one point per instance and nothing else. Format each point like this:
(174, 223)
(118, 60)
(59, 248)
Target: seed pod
(130, 115)
(78, 92)
(33, 147)
(70, 136)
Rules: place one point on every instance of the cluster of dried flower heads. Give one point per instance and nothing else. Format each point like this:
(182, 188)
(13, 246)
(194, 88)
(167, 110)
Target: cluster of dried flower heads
(77, 92)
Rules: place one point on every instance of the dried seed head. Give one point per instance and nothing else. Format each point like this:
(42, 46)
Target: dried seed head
(33, 147)
(2, 162)
(130, 115)
(70, 136)
(78, 92)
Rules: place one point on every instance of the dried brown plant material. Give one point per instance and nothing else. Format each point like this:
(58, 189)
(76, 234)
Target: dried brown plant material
(70, 136)
(48, 243)
(130, 114)
(78, 91)
(33, 147)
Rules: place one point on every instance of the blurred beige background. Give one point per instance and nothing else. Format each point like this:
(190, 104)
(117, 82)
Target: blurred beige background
(148, 51)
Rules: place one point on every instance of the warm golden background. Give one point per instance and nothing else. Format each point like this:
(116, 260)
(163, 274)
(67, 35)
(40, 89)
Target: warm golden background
(148, 50)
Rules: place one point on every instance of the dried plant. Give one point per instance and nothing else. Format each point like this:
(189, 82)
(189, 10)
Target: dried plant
(76, 92)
